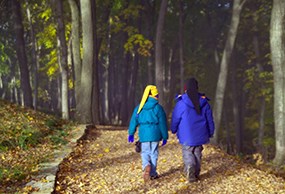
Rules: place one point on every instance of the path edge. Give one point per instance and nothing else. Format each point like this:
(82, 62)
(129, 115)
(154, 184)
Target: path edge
(44, 182)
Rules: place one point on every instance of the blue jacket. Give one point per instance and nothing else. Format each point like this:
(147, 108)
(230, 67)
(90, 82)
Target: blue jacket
(151, 122)
(192, 129)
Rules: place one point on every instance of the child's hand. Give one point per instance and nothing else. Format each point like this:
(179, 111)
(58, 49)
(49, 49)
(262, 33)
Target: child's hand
(164, 142)
(131, 138)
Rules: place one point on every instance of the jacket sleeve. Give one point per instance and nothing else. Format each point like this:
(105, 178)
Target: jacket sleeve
(210, 120)
(176, 117)
(133, 122)
(162, 122)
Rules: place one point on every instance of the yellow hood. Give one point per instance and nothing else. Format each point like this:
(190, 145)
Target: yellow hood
(149, 90)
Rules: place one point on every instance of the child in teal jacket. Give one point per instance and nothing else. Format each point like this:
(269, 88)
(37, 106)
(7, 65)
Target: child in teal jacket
(150, 118)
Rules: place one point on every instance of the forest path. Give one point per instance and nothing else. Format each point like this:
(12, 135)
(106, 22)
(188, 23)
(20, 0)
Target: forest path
(104, 162)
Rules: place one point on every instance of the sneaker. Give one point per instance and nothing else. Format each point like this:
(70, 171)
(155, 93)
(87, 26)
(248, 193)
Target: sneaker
(146, 175)
(190, 174)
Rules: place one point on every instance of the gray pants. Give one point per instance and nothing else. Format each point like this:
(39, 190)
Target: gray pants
(192, 156)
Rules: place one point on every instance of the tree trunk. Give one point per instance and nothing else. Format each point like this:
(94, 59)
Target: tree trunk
(222, 79)
(75, 45)
(262, 99)
(95, 88)
(159, 76)
(62, 47)
(35, 63)
(84, 102)
(149, 11)
(236, 110)
(105, 79)
(21, 54)
(181, 47)
(104, 65)
(277, 44)
(228, 133)
(133, 82)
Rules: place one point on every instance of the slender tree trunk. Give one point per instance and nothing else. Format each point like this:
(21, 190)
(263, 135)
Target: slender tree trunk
(228, 133)
(104, 66)
(236, 110)
(111, 81)
(181, 47)
(21, 54)
(159, 76)
(63, 59)
(71, 93)
(55, 95)
(277, 44)
(222, 79)
(262, 99)
(133, 82)
(35, 63)
(95, 88)
(125, 85)
(75, 38)
(84, 102)
(106, 77)
(149, 11)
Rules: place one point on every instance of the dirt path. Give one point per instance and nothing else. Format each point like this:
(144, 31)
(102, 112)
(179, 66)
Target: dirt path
(103, 162)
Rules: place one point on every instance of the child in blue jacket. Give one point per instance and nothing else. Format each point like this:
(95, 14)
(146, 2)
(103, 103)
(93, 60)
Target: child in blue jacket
(150, 118)
(192, 122)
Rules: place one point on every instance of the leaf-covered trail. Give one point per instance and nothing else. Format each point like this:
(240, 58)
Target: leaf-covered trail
(104, 162)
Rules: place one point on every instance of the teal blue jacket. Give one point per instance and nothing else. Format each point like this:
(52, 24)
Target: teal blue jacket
(151, 122)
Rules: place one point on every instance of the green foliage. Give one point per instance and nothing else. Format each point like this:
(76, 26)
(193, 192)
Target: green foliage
(47, 37)
(46, 14)
(268, 142)
(15, 173)
(117, 5)
(53, 124)
(43, 95)
(21, 128)
(14, 84)
(132, 11)
(58, 138)
(120, 22)
(4, 68)
(139, 42)
(259, 83)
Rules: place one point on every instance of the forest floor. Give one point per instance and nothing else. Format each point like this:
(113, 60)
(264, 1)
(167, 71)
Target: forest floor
(104, 162)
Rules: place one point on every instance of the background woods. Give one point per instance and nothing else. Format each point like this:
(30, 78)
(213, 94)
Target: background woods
(89, 60)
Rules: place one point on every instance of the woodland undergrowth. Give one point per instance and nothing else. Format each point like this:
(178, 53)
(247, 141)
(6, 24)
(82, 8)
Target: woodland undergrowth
(27, 138)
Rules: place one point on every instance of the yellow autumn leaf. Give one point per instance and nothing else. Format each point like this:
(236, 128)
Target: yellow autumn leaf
(43, 180)
(182, 180)
(80, 184)
(57, 188)
(107, 150)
